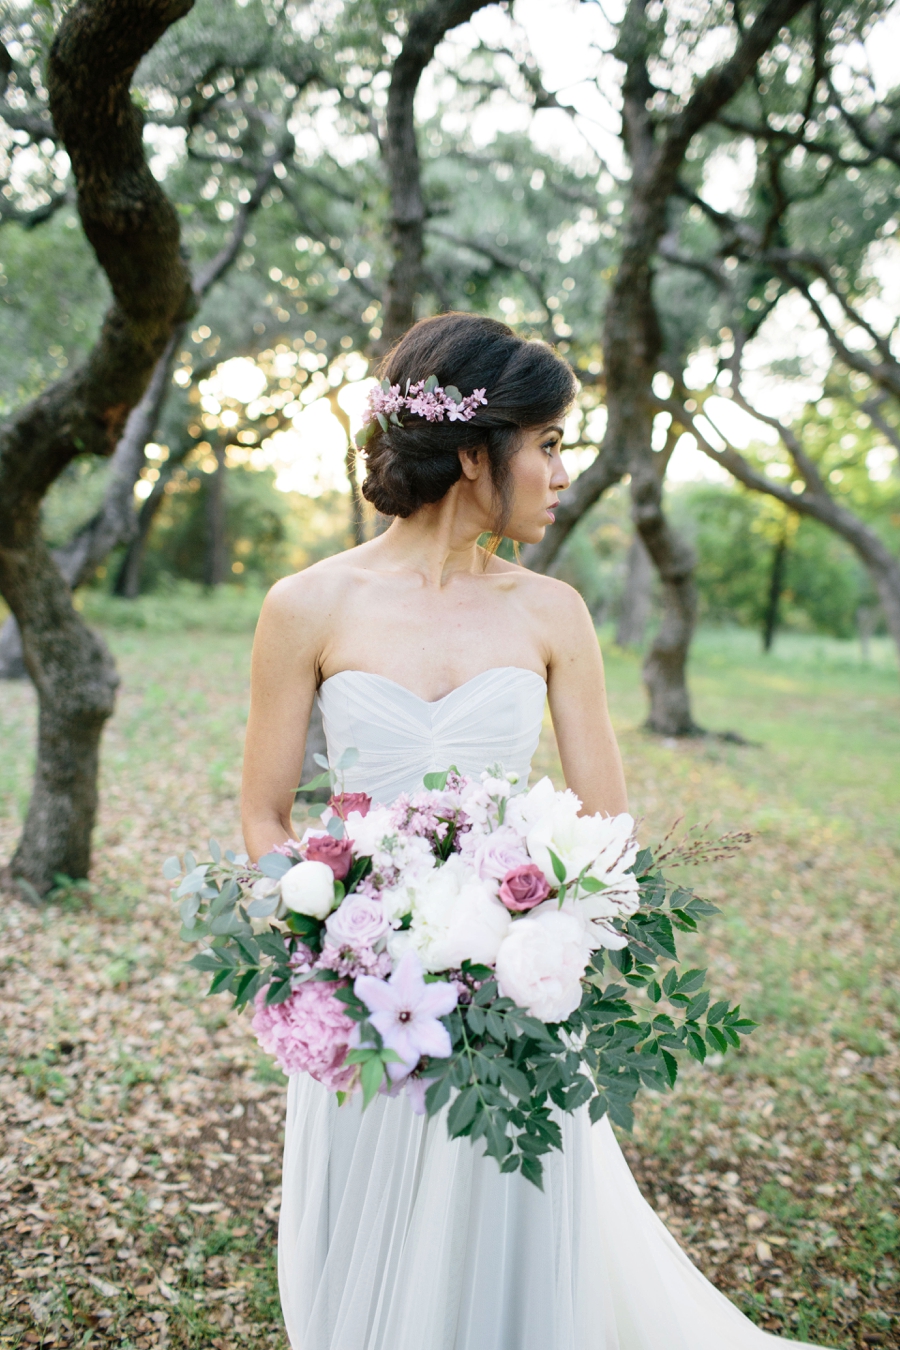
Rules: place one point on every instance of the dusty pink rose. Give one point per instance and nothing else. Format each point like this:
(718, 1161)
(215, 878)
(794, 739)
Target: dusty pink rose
(342, 803)
(524, 887)
(337, 853)
(308, 1033)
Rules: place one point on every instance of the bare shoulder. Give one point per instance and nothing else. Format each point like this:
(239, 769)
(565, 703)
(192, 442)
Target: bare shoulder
(548, 597)
(317, 589)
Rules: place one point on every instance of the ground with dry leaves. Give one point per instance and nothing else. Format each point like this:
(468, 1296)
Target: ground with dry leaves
(140, 1170)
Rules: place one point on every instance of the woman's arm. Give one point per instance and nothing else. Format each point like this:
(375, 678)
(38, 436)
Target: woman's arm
(282, 688)
(577, 690)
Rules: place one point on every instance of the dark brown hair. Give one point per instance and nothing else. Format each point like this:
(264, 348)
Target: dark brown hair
(526, 385)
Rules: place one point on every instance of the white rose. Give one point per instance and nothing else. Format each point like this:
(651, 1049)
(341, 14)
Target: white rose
(455, 917)
(541, 961)
(493, 855)
(308, 888)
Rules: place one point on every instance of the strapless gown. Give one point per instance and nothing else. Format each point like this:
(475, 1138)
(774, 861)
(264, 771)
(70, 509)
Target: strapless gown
(394, 1237)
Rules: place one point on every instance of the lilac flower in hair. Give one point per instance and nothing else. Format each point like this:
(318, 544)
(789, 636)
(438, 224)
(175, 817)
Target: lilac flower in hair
(426, 399)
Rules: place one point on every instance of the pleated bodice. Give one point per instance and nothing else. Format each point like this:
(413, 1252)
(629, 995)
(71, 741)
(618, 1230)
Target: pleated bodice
(494, 718)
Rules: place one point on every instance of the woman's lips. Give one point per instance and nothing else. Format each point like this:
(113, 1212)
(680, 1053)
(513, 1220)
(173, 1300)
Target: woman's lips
(551, 508)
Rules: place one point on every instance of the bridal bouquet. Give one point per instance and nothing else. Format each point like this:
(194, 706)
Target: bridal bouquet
(454, 945)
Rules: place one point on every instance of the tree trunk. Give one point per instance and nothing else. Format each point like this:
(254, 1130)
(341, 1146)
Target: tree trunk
(665, 668)
(12, 662)
(133, 229)
(776, 586)
(637, 597)
(215, 565)
(75, 679)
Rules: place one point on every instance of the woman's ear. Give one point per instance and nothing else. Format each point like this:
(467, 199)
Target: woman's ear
(473, 462)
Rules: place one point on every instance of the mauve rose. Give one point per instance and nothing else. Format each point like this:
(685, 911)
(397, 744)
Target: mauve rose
(524, 887)
(342, 803)
(337, 853)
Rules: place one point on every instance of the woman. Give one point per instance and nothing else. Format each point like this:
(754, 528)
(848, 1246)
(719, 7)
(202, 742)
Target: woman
(424, 649)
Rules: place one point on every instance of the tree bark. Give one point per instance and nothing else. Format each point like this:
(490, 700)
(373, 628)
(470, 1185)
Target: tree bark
(134, 232)
(215, 563)
(776, 586)
(401, 153)
(637, 597)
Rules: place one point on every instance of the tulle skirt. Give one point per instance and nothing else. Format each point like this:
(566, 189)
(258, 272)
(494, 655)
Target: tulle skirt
(394, 1237)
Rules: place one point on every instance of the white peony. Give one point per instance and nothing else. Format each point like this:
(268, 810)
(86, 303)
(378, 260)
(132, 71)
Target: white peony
(368, 832)
(618, 849)
(541, 961)
(308, 888)
(455, 917)
(552, 824)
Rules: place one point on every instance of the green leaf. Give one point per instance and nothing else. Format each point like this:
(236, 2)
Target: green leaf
(278, 991)
(717, 1012)
(205, 961)
(462, 1112)
(321, 760)
(591, 885)
(320, 780)
(190, 862)
(558, 866)
(620, 1114)
(188, 908)
(348, 758)
(691, 980)
(431, 384)
(654, 993)
(436, 782)
(171, 869)
(335, 827)
(715, 1038)
(598, 1108)
(274, 865)
(364, 435)
(533, 1171)
(453, 393)
(696, 1046)
(383, 423)
(643, 862)
(222, 980)
(514, 1080)
(385, 385)
(671, 1064)
(437, 1095)
(698, 1006)
(215, 850)
(370, 1077)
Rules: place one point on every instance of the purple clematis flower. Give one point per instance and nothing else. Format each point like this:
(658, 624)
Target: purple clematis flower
(405, 1011)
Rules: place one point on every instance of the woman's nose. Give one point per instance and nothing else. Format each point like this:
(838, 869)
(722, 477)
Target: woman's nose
(559, 479)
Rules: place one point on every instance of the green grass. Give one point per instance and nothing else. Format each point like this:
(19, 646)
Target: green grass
(777, 1168)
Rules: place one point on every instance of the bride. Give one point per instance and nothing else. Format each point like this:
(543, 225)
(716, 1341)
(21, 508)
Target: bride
(426, 649)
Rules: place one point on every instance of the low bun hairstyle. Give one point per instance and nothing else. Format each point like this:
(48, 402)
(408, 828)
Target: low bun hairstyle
(526, 385)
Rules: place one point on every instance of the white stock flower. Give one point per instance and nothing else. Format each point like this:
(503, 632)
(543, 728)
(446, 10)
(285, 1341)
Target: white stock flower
(541, 961)
(455, 917)
(308, 888)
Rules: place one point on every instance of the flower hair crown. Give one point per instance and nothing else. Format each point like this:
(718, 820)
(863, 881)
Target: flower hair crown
(425, 399)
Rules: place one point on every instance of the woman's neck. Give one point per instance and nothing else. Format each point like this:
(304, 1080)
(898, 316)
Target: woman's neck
(439, 541)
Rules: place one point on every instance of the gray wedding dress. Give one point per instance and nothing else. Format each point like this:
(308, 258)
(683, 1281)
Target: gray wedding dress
(394, 1237)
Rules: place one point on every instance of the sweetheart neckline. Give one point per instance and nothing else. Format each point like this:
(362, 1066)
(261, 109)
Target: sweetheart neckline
(433, 702)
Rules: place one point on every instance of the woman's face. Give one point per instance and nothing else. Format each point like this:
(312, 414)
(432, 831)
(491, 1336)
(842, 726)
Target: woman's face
(537, 476)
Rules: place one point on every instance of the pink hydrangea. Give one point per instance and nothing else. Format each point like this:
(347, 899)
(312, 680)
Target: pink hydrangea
(308, 1033)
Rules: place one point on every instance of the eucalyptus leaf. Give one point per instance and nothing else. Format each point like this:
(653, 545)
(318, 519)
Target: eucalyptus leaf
(188, 908)
(274, 865)
(335, 827)
(215, 850)
(321, 760)
(171, 869)
(264, 907)
(348, 758)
